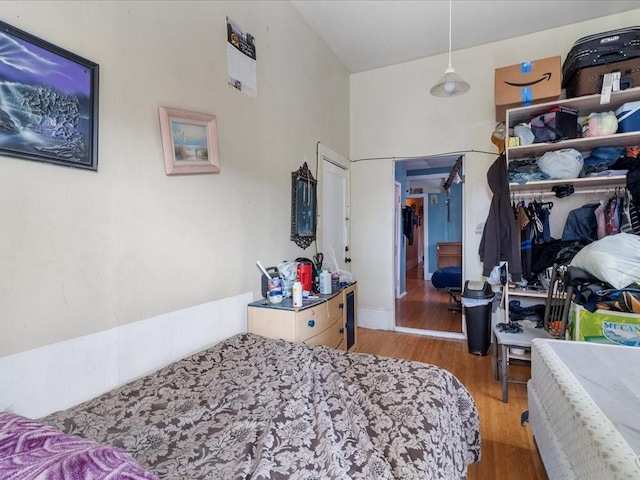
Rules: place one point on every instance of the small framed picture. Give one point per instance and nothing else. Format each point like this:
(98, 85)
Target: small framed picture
(189, 141)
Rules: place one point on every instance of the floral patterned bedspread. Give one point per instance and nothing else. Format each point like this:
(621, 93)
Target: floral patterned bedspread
(251, 407)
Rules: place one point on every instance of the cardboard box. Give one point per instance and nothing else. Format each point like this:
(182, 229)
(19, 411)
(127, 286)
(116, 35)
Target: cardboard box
(527, 83)
(604, 326)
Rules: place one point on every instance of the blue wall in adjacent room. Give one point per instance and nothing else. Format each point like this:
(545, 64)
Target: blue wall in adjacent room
(440, 229)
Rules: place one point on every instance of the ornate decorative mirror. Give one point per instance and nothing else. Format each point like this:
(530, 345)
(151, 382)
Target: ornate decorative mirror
(303, 206)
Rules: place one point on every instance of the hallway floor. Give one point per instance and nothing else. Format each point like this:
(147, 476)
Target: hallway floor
(425, 307)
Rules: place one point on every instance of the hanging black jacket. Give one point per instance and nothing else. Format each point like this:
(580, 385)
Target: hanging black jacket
(498, 241)
(409, 221)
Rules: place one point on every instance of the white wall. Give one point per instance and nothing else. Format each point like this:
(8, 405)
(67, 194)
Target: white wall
(393, 114)
(84, 252)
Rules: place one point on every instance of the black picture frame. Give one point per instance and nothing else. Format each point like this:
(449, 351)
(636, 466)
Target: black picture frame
(304, 205)
(49, 108)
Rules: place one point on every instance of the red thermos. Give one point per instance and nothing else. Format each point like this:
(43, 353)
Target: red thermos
(305, 275)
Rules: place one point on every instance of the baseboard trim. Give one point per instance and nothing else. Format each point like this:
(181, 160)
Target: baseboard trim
(375, 319)
(57, 376)
(431, 333)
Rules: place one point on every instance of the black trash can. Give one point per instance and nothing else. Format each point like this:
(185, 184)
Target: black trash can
(477, 299)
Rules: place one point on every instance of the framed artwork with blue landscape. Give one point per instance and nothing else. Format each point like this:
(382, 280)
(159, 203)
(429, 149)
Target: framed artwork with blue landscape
(189, 141)
(48, 102)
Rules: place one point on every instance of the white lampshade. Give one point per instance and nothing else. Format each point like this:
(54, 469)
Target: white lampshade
(450, 85)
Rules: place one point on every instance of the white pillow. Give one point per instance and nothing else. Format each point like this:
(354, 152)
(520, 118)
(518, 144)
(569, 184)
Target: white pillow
(614, 259)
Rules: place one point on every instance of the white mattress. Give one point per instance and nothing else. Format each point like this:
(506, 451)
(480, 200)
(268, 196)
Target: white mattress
(586, 401)
(556, 463)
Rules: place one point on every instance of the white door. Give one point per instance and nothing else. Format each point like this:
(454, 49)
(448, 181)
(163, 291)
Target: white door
(334, 214)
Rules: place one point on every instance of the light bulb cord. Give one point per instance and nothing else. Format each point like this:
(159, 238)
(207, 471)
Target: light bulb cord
(450, 33)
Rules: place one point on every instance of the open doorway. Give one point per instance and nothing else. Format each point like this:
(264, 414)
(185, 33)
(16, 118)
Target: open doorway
(415, 245)
(438, 224)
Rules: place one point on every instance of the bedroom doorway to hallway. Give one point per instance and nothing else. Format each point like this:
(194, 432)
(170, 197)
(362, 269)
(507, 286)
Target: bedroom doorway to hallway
(420, 307)
(415, 250)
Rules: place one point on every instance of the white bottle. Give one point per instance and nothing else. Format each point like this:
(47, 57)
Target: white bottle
(325, 282)
(296, 294)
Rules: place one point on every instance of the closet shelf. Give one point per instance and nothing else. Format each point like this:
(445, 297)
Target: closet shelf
(523, 292)
(585, 105)
(583, 145)
(578, 184)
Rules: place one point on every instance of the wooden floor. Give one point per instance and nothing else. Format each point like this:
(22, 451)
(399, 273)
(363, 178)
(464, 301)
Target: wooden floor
(508, 451)
(425, 307)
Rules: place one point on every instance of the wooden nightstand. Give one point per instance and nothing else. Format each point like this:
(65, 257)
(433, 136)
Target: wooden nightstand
(448, 254)
(329, 320)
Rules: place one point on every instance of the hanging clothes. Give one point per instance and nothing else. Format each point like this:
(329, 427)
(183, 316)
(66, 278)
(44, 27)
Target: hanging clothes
(409, 222)
(526, 248)
(522, 219)
(498, 237)
(581, 224)
(544, 213)
(630, 218)
(532, 230)
(600, 220)
(610, 217)
(534, 211)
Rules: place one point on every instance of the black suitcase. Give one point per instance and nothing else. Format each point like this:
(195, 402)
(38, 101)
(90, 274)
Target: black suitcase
(605, 48)
(588, 81)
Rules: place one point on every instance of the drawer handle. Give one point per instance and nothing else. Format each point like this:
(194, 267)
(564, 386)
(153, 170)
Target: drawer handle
(342, 330)
(341, 305)
(311, 323)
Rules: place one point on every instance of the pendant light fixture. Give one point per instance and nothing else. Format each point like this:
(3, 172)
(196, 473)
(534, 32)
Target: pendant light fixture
(451, 84)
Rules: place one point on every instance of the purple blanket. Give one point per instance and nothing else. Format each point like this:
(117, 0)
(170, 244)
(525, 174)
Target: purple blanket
(30, 450)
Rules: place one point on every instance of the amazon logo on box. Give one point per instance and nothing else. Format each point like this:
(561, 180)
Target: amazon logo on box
(527, 83)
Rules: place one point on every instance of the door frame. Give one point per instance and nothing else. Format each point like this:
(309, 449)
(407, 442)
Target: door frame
(425, 195)
(438, 333)
(397, 238)
(425, 232)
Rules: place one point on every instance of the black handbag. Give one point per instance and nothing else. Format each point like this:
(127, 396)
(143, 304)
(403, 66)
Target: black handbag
(560, 123)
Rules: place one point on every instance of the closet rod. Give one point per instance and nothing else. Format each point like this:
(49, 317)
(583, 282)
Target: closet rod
(587, 191)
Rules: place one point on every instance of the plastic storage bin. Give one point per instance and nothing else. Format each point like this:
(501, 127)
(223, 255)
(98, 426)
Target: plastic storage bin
(477, 299)
(628, 116)
(604, 326)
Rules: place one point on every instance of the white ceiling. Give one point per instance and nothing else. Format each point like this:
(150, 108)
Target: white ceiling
(366, 34)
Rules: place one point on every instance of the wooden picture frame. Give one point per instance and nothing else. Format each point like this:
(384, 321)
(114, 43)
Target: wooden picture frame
(51, 113)
(189, 141)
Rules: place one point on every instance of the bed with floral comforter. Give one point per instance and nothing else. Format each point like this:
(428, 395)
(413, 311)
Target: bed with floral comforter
(251, 407)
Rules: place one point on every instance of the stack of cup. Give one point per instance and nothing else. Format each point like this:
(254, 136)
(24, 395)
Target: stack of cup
(274, 290)
(335, 282)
